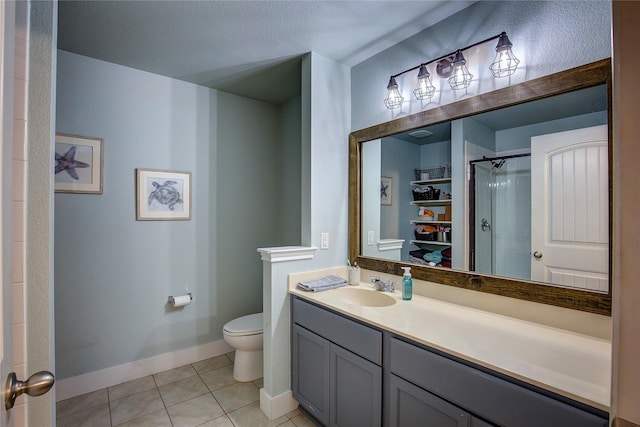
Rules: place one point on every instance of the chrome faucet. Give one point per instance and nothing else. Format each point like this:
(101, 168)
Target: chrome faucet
(379, 285)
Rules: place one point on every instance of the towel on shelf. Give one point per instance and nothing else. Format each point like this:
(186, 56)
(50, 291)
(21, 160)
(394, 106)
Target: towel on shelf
(435, 256)
(322, 284)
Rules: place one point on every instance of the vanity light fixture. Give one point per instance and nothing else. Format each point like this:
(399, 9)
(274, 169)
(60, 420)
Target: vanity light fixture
(505, 62)
(453, 67)
(425, 89)
(461, 77)
(393, 99)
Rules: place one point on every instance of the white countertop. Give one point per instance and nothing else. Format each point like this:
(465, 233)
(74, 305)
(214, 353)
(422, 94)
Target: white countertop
(571, 364)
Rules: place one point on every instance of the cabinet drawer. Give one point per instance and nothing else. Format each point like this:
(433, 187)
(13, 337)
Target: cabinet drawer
(355, 337)
(488, 396)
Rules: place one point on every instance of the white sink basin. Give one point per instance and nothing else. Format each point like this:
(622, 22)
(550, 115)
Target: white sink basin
(367, 298)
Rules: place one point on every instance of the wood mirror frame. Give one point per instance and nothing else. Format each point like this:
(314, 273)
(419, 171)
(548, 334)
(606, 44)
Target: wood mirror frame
(593, 74)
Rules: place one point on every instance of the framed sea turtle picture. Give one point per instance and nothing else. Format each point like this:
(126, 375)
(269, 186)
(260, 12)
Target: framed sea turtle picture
(78, 164)
(162, 195)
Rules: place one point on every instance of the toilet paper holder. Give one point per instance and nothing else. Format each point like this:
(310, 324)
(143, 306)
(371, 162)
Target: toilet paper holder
(172, 299)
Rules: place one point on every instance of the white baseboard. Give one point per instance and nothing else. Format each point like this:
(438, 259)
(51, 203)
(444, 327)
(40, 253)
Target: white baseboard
(275, 407)
(92, 381)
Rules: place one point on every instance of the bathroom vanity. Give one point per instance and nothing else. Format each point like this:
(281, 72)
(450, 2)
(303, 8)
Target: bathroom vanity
(336, 366)
(362, 357)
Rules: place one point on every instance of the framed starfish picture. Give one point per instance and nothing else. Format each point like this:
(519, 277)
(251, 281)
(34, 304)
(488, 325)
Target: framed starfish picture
(78, 164)
(386, 183)
(163, 195)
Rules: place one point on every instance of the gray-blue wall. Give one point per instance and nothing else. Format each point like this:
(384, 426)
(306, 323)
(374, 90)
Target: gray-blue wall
(399, 159)
(113, 274)
(290, 226)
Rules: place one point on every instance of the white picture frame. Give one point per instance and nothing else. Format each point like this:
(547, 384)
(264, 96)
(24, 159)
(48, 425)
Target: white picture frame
(163, 195)
(79, 164)
(386, 185)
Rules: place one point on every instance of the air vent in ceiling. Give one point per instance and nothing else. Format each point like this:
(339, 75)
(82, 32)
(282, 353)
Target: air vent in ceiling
(420, 134)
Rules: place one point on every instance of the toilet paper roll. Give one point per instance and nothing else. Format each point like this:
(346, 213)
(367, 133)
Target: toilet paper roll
(180, 301)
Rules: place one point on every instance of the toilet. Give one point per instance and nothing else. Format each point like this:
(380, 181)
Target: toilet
(245, 335)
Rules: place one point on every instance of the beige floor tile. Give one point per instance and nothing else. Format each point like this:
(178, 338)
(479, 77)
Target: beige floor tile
(236, 396)
(299, 418)
(294, 413)
(195, 411)
(135, 406)
(212, 363)
(303, 421)
(218, 378)
(182, 390)
(155, 419)
(252, 416)
(96, 416)
(173, 375)
(231, 355)
(131, 387)
(180, 397)
(222, 421)
(287, 423)
(82, 402)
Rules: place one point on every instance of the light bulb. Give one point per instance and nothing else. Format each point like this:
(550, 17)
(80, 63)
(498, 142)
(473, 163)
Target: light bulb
(393, 99)
(505, 62)
(425, 89)
(461, 77)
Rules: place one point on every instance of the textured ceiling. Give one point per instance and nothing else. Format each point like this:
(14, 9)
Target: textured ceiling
(250, 48)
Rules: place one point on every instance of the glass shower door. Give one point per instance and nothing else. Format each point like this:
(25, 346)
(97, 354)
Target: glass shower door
(484, 219)
(502, 216)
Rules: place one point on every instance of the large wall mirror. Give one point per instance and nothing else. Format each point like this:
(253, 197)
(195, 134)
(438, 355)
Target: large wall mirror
(506, 192)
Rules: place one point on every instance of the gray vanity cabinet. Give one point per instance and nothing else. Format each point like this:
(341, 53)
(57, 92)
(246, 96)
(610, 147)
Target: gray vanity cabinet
(335, 367)
(337, 375)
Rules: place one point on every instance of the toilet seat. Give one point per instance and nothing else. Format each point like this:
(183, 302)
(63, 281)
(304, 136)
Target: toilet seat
(245, 325)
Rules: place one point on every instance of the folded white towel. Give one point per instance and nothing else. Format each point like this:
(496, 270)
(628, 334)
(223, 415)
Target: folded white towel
(322, 284)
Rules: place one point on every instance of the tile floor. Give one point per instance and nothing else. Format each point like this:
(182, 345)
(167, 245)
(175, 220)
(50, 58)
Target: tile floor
(201, 394)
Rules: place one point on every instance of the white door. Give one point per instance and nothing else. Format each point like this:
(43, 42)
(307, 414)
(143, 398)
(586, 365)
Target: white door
(7, 17)
(40, 382)
(570, 208)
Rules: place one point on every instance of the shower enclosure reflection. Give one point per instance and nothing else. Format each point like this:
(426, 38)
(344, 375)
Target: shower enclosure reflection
(500, 216)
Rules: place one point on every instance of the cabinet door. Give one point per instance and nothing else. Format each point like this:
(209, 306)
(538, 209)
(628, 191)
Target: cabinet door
(412, 406)
(356, 390)
(310, 361)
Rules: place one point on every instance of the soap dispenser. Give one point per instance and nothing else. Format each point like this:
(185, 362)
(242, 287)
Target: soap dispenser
(407, 284)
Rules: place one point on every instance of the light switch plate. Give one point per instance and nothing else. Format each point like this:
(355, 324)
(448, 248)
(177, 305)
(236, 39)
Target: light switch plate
(324, 241)
(370, 238)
